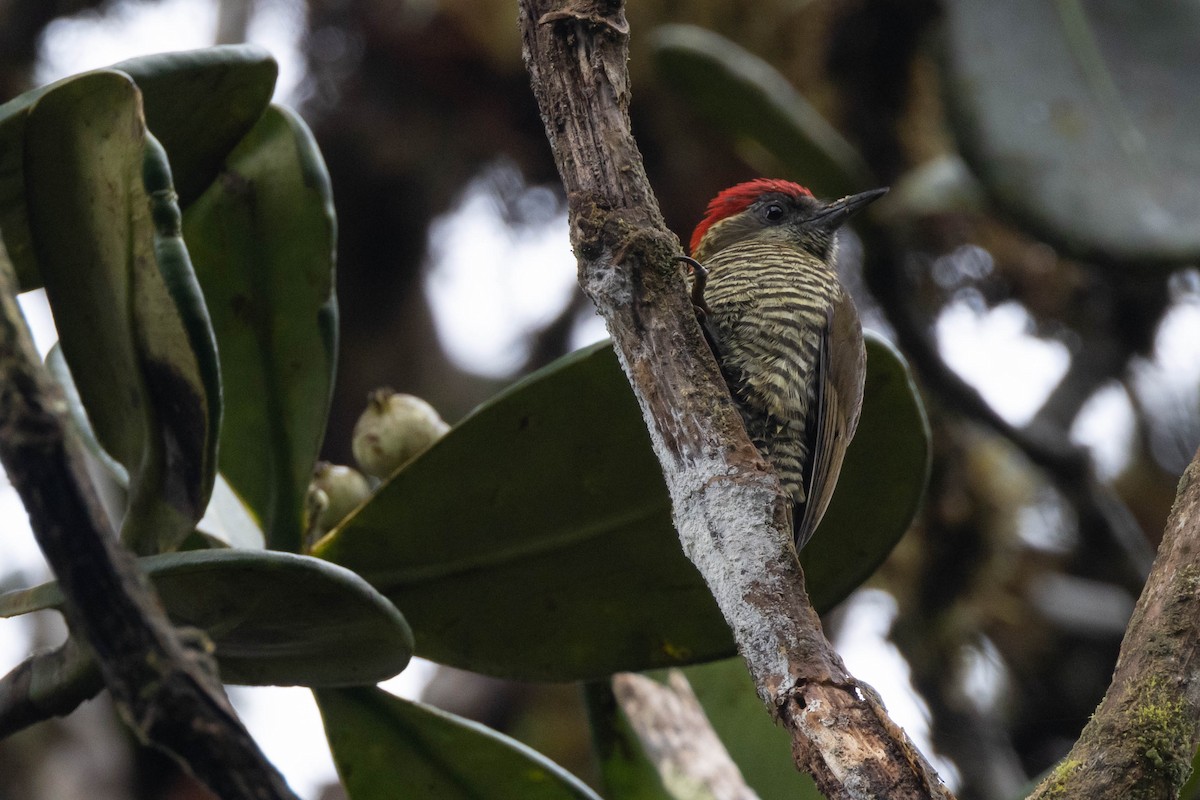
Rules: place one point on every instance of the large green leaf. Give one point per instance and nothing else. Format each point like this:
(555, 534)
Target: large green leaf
(131, 320)
(262, 238)
(386, 747)
(198, 103)
(1081, 119)
(747, 98)
(535, 539)
(226, 521)
(56, 363)
(275, 618)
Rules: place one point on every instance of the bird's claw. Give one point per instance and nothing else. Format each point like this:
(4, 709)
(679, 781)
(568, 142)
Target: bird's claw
(699, 281)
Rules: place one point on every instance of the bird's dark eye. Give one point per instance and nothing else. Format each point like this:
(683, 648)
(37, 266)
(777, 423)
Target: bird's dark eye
(773, 212)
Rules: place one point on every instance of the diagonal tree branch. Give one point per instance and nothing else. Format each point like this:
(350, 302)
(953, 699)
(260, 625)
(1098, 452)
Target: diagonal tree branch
(728, 507)
(1141, 740)
(167, 693)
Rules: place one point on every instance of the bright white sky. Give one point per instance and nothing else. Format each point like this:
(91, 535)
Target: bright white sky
(90, 40)
(483, 318)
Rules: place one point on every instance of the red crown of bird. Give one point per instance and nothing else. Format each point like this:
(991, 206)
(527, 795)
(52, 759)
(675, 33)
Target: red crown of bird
(737, 199)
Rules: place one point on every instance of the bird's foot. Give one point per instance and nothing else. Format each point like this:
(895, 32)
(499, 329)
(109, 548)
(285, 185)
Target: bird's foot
(699, 281)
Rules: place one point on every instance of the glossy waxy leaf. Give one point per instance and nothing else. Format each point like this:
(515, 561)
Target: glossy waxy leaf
(131, 320)
(275, 618)
(535, 539)
(108, 477)
(56, 363)
(1081, 119)
(262, 238)
(198, 103)
(226, 522)
(746, 97)
(386, 747)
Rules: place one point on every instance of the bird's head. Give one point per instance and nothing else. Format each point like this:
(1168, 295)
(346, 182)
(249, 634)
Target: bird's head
(768, 208)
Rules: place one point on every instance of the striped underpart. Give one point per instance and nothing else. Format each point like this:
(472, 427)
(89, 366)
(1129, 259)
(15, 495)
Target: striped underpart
(770, 305)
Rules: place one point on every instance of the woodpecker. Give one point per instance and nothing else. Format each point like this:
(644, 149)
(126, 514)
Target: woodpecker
(784, 330)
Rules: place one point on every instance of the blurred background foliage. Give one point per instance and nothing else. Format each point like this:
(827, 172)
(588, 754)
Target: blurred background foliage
(1044, 160)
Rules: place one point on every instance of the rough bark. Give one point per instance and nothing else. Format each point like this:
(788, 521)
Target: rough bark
(167, 693)
(1140, 742)
(728, 507)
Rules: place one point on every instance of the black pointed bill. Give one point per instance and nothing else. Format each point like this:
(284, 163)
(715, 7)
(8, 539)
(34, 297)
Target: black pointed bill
(835, 214)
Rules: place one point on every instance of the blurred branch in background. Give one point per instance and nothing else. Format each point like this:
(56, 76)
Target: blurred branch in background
(21, 25)
(678, 739)
(233, 20)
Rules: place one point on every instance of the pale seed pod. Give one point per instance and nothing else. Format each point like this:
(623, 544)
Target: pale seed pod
(392, 430)
(334, 492)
